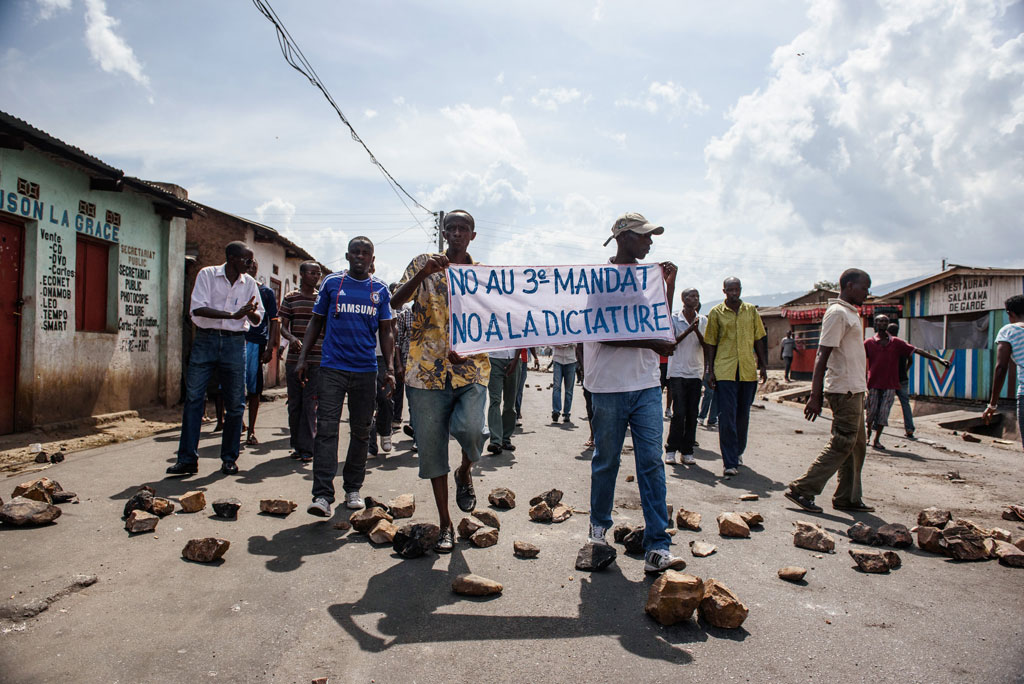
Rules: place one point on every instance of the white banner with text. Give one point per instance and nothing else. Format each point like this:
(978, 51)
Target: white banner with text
(512, 307)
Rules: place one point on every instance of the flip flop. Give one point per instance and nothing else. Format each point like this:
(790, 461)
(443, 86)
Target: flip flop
(251, 440)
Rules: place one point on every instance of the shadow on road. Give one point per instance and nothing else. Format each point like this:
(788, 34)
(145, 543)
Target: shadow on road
(416, 617)
(289, 547)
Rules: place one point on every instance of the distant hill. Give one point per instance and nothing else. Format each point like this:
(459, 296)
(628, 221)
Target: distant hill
(780, 298)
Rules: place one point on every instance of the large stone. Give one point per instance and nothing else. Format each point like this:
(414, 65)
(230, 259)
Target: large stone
(732, 525)
(994, 533)
(964, 544)
(792, 573)
(688, 520)
(700, 549)
(502, 497)
(40, 489)
(162, 507)
(895, 535)
(892, 559)
(482, 538)
(551, 497)
(367, 518)
(594, 557)
(280, 507)
(415, 539)
(64, 496)
(227, 508)
(22, 511)
(403, 506)
(1008, 554)
(814, 537)
(206, 550)
(487, 517)
(1014, 512)
(468, 526)
(869, 561)
(469, 584)
(930, 539)
(141, 500)
(192, 502)
(720, 607)
(560, 513)
(752, 519)
(523, 549)
(634, 541)
(370, 502)
(141, 521)
(620, 531)
(863, 534)
(540, 512)
(383, 532)
(934, 517)
(673, 597)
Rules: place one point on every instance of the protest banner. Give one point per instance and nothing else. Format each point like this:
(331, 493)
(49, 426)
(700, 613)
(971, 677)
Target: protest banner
(510, 307)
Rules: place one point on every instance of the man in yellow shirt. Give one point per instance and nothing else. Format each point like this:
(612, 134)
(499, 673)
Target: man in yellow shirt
(737, 351)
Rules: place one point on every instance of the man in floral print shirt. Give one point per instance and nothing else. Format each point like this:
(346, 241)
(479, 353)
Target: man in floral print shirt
(447, 392)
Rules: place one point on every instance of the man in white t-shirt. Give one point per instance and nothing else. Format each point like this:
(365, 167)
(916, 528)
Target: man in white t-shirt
(685, 377)
(624, 380)
(840, 369)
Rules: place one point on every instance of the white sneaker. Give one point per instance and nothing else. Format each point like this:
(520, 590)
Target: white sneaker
(385, 443)
(688, 459)
(739, 459)
(597, 534)
(670, 457)
(729, 472)
(660, 560)
(354, 501)
(320, 507)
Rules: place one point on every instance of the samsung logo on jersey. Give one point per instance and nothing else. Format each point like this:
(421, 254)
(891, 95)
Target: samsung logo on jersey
(364, 309)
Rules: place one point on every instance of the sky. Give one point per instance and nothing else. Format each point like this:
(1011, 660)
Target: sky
(777, 142)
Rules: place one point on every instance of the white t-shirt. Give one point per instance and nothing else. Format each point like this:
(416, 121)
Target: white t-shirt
(504, 354)
(688, 361)
(842, 330)
(619, 369)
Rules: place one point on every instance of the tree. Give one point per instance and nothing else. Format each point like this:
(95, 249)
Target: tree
(826, 285)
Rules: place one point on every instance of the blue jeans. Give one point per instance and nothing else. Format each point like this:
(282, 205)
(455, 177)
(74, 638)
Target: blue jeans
(903, 393)
(709, 403)
(1020, 417)
(734, 400)
(225, 354)
(501, 410)
(254, 368)
(564, 374)
(641, 411)
(456, 412)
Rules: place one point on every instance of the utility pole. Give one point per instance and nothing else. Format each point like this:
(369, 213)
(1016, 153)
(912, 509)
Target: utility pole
(440, 231)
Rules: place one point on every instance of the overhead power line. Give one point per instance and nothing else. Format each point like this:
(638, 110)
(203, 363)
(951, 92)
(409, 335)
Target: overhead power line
(297, 60)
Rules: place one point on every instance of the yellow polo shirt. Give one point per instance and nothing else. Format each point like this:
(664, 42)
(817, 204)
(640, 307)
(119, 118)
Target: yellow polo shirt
(734, 334)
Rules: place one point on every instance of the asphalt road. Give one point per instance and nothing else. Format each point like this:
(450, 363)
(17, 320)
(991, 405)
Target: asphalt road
(296, 599)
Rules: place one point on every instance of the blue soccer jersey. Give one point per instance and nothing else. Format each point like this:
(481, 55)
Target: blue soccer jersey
(352, 311)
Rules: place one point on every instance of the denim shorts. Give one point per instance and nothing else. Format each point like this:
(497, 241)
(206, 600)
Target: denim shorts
(254, 368)
(438, 414)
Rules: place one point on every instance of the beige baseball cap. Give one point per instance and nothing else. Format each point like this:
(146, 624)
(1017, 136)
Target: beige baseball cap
(634, 223)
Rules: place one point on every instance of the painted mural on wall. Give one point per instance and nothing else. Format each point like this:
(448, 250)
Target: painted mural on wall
(968, 376)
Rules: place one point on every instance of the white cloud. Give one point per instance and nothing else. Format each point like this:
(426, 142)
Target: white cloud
(668, 96)
(500, 78)
(507, 100)
(550, 99)
(478, 136)
(370, 113)
(502, 190)
(280, 211)
(49, 8)
(106, 46)
(598, 13)
(618, 138)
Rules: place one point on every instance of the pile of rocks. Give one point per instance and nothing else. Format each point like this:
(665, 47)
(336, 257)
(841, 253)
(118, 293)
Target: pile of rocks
(674, 596)
(548, 507)
(964, 540)
(35, 503)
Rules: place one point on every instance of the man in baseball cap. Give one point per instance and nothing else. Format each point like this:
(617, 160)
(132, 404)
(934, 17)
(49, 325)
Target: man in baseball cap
(633, 223)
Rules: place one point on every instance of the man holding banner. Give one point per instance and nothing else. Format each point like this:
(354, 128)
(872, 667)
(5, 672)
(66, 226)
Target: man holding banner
(447, 391)
(624, 379)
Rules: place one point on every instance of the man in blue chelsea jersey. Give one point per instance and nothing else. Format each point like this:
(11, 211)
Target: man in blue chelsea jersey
(349, 308)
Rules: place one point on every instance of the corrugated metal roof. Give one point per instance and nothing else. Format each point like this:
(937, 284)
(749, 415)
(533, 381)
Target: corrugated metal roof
(955, 269)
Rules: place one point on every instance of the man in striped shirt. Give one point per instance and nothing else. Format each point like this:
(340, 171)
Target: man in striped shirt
(296, 312)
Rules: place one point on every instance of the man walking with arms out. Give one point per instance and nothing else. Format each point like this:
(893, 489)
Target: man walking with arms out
(737, 352)
(625, 383)
(353, 309)
(447, 392)
(839, 370)
(225, 302)
(296, 313)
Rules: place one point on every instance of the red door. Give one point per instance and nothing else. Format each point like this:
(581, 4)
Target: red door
(10, 318)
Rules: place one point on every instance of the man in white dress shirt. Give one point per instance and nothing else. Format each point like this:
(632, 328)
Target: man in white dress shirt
(225, 302)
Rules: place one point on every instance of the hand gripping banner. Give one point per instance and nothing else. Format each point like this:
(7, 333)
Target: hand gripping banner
(511, 307)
